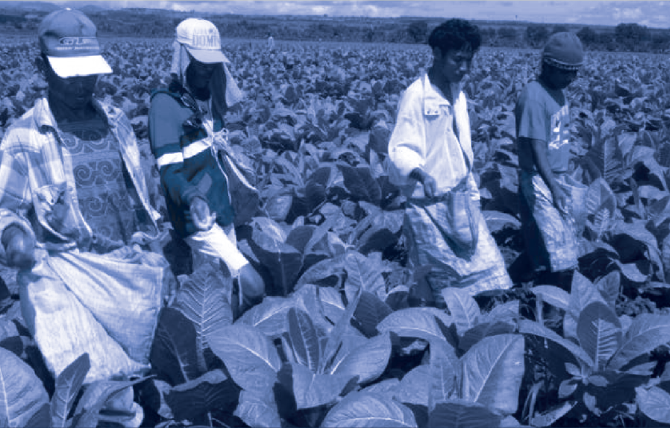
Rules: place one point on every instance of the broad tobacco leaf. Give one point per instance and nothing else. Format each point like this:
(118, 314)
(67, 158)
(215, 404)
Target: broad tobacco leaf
(258, 411)
(203, 299)
(463, 308)
(368, 410)
(193, 399)
(68, 384)
(646, 333)
(304, 340)
(249, 356)
(21, 392)
(367, 361)
(416, 322)
(174, 352)
(492, 372)
(654, 402)
(599, 332)
(463, 414)
(313, 390)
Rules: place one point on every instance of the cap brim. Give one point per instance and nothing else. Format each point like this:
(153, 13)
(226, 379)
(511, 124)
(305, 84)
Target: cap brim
(208, 56)
(72, 66)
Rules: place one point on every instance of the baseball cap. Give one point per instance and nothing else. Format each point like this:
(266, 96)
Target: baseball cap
(564, 50)
(69, 40)
(201, 39)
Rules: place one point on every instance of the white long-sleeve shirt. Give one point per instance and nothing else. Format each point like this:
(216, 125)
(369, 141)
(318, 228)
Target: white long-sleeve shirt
(424, 138)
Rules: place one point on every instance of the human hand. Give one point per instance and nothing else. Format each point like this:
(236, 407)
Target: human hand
(202, 218)
(19, 248)
(429, 183)
(560, 198)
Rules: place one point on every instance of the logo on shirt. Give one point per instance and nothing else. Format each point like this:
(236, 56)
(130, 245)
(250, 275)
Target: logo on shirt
(560, 134)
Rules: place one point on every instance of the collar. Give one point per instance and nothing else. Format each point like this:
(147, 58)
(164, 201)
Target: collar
(44, 119)
(433, 96)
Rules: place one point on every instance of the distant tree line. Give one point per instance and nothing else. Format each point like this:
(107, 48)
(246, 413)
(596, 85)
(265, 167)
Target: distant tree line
(629, 37)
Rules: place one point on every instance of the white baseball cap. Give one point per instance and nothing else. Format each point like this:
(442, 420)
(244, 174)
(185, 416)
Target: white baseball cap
(202, 40)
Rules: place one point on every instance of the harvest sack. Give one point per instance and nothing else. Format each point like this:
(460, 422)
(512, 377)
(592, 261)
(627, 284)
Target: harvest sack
(550, 234)
(107, 305)
(431, 242)
(244, 197)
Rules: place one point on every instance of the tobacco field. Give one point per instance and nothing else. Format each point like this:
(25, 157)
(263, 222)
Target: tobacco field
(345, 337)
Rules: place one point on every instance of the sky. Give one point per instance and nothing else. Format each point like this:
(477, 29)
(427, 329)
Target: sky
(650, 13)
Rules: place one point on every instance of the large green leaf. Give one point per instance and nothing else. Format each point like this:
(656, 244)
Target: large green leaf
(646, 333)
(445, 373)
(599, 332)
(195, 398)
(359, 409)
(463, 414)
(94, 398)
(68, 384)
(304, 340)
(361, 183)
(582, 293)
(370, 312)
(367, 362)
(412, 388)
(21, 392)
(331, 300)
(258, 411)
(363, 273)
(606, 156)
(249, 356)
(281, 260)
(463, 308)
(336, 337)
(492, 372)
(553, 295)
(600, 196)
(482, 330)
(203, 299)
(654, 402)
(313, 390)
(269, 316)
(537, 329)
(415, 322)
(174, 352)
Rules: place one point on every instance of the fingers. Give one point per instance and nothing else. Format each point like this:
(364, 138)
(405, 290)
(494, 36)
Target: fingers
(21, 251)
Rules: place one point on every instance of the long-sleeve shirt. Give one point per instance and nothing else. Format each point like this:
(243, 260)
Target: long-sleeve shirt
(33, 158)
(186, 162)
(424, 137)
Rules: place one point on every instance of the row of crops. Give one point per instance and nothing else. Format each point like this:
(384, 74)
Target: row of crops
(344, 338)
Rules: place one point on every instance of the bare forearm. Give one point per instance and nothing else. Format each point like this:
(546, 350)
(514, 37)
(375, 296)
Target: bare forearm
(539, 149)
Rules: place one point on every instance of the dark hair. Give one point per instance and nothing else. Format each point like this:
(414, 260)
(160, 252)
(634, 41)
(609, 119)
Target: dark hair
(455, 34)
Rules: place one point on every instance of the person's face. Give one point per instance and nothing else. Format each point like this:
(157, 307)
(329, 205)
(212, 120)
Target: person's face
(453, 65)
(558, 78)
(198, 74)
(74, 92)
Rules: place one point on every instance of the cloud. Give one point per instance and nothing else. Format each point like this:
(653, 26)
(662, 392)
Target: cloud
(627, 14)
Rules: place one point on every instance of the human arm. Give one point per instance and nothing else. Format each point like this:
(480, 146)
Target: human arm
(407, 146)
(539, 152)
(16, 234)
(165, 131)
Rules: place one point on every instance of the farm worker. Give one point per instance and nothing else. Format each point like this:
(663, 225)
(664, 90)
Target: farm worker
(190, 144)
(75, 217)
(431, 160)
(271, 41)
(543, 145)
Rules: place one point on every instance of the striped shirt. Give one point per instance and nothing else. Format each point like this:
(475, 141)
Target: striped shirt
(33, 157)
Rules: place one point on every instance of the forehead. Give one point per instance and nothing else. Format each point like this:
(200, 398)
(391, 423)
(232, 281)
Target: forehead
(464, 53)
